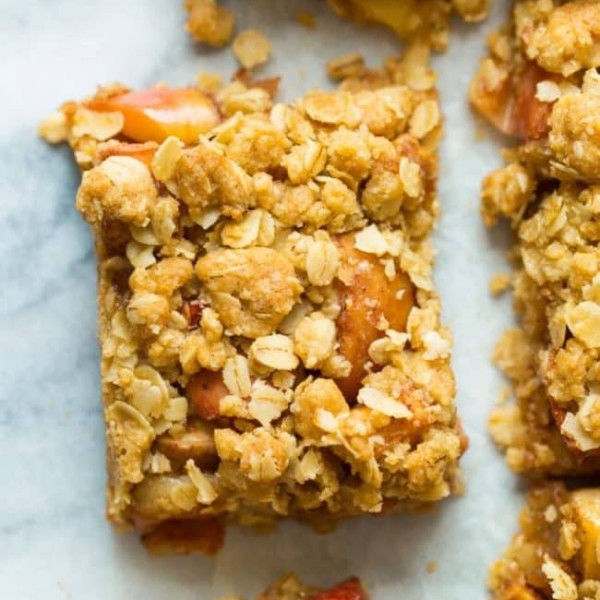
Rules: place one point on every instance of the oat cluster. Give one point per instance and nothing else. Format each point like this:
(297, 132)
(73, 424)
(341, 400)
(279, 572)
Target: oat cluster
(270, 335)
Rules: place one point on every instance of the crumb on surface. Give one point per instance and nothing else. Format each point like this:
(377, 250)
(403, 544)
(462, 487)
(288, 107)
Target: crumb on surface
(499, 283)
(431, 566)
(251, 48)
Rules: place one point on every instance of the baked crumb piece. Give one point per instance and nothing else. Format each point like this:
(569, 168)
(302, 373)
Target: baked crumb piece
(270, 335)
(499, 283)
(426, 20)
(540, 84)
(209, 23)
(348, 65)
(431, 566)
(209, 82)
(555, 554)
(251, 48)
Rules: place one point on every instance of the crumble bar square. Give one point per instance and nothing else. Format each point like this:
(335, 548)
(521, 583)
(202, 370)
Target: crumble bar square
(540, 84)
(270, 335)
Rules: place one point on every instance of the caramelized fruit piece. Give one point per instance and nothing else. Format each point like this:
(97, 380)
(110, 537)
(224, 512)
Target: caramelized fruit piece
(186, 536)
(155, 114)
(192, 311)
(351, 589)
(205, 390)
(368, 297)
(512, 106)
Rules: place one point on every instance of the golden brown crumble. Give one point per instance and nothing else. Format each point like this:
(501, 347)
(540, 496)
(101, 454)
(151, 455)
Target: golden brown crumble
(270, 335)
(431, 566)
(555, 555)
(537, 84)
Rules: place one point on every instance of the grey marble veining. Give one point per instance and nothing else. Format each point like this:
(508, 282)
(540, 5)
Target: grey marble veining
(54, 542)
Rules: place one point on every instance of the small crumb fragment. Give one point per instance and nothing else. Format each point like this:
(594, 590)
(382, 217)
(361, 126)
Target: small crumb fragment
(499, 283)
(54, 128)
(251, 48)
(306, 19)
(211, 82)
(431, 566)
(346, 66)
(208, 22)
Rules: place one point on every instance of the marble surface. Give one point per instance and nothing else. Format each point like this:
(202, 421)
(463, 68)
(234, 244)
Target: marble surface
(54, 541)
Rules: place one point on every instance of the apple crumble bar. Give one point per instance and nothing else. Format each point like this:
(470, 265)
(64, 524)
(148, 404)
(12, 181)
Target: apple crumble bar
(270, 334)
(555, 555)
(424, 19)
(540, 85)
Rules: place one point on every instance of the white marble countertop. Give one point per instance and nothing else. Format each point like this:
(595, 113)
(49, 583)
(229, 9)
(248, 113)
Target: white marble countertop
(54, 541)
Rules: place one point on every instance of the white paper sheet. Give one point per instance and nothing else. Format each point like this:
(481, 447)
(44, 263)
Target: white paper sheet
(54, 541)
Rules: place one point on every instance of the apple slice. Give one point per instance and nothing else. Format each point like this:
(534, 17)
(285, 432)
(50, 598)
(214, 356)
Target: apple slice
(350, 589)
(366, 299)
(205, 390)
(511, 104)
(157, 113)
